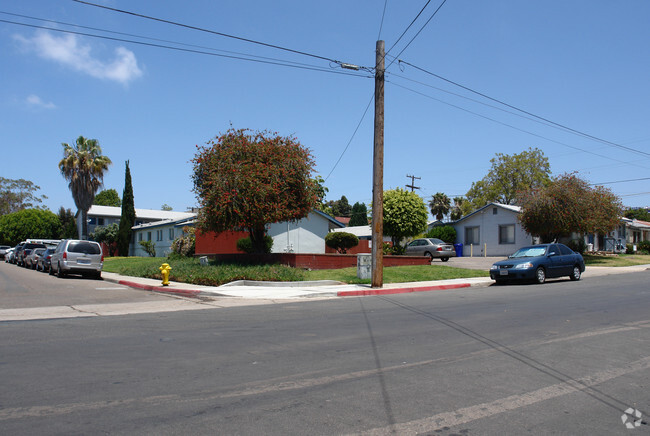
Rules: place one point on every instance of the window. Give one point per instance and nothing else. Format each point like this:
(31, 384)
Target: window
(148, 236)
(140, 236)
(92, 221)
(171, 234)
(100, 221)
(494, 211)
(507, 234)
(159, 235)
(472, 235)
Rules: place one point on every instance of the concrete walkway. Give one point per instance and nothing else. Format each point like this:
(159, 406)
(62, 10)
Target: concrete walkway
(326, 288)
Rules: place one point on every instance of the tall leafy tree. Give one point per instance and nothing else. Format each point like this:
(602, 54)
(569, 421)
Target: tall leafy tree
(128, 215)
(29, 223)
(457, 208)
(68, 224)
(569, 204)
(83, 166)
(439, 205)
(509, 175)
(405, 215)
(359, 215)
(108, 197)
(246, 180)
(18, 194)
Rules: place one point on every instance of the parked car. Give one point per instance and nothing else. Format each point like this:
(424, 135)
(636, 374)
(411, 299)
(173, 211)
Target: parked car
(3, 250)
(432, 248)
(17, 249)
(31, 260)
(73, 256)
(539, 262)
(9, 254)
(24, 251)
(43, 262)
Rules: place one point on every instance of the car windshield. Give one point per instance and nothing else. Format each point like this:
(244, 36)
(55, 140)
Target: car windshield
(529, 252)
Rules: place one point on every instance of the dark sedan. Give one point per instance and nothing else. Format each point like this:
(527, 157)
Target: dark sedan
(539, 262)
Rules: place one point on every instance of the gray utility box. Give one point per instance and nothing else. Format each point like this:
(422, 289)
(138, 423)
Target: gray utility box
(364, 265)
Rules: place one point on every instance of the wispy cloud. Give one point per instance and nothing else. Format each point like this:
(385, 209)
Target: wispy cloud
(70, 51)
(36, 101)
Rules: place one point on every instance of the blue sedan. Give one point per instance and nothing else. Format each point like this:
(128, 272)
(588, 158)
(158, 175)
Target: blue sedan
(539, 262)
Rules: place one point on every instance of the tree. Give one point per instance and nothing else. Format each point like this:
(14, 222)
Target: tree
(446, 233)
(566, 205)
(439, 205)
(639, 214)
(340, 207)
(508, 176)
(107, 235)
(28, 223)
(359, 215)
(108, 197)
(149, 247)
(128, 215)
(83, 166)
(457, 208)
(68, 224)
(17, 195)
(246, 180)
(341, 241)
(166, 207)
(405, 215)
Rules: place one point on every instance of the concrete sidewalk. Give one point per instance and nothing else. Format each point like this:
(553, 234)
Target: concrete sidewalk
(322, 289)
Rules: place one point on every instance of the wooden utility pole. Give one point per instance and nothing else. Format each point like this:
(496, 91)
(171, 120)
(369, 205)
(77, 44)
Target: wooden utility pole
(378, 173)
(412, 185)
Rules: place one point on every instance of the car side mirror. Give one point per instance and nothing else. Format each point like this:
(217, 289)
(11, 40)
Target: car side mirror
(552, 253)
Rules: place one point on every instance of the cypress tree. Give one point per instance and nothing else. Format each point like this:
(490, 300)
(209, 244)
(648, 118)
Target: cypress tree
(128, 215)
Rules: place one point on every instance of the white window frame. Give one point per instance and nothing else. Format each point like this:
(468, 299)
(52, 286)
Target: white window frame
(510, 235)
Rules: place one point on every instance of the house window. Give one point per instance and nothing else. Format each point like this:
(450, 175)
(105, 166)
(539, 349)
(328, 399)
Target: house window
(171, 234)
(140, 236)
(100, 221)
(159, 235)
(92, 221)
(472, 235)
(507, 234)
(148, 236)
(494, 211)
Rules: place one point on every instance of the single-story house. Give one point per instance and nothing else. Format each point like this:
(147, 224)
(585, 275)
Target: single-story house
(364, 233)
(161, 233)
(630, 231)
(303, 236)
(492, 230)
(99, 216)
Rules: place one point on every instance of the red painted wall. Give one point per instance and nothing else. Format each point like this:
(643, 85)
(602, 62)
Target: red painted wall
(209, 243)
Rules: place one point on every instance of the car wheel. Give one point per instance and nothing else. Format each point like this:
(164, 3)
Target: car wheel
(59, 272)
(500, 282)
(444, 259)
(429, 255)
(540, 275)
(50, 271)
(98, 275)
(575, 275)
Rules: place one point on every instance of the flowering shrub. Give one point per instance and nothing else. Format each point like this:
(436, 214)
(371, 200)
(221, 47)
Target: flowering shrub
(185, 245)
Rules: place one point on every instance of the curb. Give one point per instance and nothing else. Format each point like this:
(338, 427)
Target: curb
(161, 289)
(400, 290)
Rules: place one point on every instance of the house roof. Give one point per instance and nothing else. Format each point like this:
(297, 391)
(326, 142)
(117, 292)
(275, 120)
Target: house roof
(635, 223)
(343, 219)
(509, 207)
(329, 218)
(142, 214)
(358, 231)
(175, 223)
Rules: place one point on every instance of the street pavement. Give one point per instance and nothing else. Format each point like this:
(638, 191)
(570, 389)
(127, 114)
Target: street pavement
(330, 289)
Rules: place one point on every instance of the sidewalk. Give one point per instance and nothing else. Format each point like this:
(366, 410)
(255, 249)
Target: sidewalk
(322, 289)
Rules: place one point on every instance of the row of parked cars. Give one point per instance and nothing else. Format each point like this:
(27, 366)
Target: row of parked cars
(69, 256)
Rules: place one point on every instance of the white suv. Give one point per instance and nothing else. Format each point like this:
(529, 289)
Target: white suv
(73, 256)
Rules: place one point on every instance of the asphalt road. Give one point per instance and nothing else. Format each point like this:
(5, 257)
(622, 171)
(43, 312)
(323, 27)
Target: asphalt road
(559, 358)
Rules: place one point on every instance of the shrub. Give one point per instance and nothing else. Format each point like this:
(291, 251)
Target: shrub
(149, 247)
(643, 247)
(629, 249)
(446, 233)
(185, 245)
(341, 241)
(577, 245)
(246, 245)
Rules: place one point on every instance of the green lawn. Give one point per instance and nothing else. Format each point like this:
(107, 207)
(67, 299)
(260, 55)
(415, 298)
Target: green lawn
(616, 260)
(190, 271)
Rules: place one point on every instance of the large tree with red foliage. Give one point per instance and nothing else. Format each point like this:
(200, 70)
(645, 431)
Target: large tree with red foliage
(246, 180)
(569, 204)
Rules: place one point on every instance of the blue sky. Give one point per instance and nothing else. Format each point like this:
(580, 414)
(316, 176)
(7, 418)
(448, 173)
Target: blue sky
(582, 64)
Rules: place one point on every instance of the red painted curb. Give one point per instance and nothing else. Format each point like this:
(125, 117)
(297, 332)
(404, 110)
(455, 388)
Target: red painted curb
(183, 292)
(400, 290)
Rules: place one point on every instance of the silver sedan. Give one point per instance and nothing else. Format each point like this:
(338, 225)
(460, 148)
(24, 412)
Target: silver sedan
(431, 247)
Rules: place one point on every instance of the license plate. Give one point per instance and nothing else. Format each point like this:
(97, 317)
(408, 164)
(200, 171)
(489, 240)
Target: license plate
(83, 261)
(503, 272)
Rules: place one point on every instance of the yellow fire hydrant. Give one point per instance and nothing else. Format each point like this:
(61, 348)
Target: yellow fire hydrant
(164, 270)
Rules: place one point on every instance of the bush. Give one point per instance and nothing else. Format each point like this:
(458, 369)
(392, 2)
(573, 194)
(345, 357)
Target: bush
(184, 246)
(149, 247)
(446, 233)
(629, 249)
(577, 245)
(643, 247)
(246, 245)
(341, 241)
(391, 250)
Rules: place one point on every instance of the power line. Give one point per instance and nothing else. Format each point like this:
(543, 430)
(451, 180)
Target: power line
(408, 27)
(569, 129)
(250, 59)
(214, 32)
(622, 181)
(383, 14)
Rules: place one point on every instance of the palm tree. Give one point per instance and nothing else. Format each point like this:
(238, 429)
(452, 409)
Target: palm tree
(83, 166)
(457, 209)
(439, 205)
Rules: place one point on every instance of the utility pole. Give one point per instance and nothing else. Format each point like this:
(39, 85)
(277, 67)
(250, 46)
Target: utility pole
(413, 182)
(378, 173)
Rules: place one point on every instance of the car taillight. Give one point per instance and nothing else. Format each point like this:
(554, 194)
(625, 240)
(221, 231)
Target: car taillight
(102, 257)
(439, 249)
(65, 255)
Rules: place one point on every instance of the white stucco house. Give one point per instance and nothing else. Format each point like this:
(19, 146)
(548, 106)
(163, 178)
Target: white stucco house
(304, 236)
(492, 230)
(162, 233)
